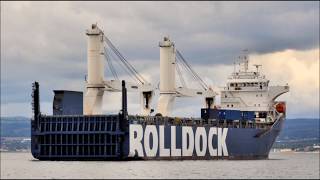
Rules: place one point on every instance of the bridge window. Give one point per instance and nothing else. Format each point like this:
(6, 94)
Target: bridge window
(231, 84)
(227, 105)
(231, 105)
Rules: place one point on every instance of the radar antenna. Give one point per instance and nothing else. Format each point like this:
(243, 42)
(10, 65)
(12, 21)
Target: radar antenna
(257, 67)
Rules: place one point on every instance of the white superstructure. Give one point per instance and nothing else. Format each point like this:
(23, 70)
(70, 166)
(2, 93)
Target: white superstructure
(249, 90)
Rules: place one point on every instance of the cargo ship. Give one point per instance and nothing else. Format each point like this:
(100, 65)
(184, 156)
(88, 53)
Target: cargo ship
(244, 125)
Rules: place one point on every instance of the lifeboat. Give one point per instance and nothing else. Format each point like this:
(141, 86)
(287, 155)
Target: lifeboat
(281, 107)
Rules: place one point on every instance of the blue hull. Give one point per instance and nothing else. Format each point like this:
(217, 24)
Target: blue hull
(107, 137)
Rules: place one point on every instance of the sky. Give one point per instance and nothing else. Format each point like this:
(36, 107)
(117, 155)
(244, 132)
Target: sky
(46, 42)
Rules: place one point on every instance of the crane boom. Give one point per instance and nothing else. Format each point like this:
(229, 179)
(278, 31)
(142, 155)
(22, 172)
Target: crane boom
(169, 59)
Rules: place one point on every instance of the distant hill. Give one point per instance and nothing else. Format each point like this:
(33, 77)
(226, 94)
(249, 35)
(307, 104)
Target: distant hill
(298, 134)
(294, 129)
(15, 127)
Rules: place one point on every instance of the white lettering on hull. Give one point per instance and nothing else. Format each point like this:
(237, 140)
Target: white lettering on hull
(174, 150)
(151, 130)
(187, 146)
(222, 147)
(201, 135)
(163, 151)
(135, 137)
(193, 142)
(212, 132)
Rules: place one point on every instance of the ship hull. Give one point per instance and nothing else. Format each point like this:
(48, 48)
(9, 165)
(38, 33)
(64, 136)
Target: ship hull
(110, 137)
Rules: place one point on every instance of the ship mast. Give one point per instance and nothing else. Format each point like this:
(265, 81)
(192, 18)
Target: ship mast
(246, 60)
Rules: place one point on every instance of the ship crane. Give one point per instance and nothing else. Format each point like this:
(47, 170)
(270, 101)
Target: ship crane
(170, 62)
(96, 85)
(184, 91)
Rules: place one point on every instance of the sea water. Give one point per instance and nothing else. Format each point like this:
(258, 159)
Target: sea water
(279, 165)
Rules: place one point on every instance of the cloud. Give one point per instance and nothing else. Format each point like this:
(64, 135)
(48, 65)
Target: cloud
(300, 69)
(45, 41)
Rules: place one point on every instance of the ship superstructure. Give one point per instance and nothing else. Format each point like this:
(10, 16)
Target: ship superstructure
(245, 127)
(248, 90)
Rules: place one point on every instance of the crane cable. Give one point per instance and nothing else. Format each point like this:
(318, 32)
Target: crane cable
(183, 83)
(111, 56)
(193, 73)
(127, 66)
(179, 62)
(131, 69)
(109, 61)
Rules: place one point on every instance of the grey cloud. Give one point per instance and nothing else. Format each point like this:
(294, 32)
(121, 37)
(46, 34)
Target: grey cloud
(46, 41)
